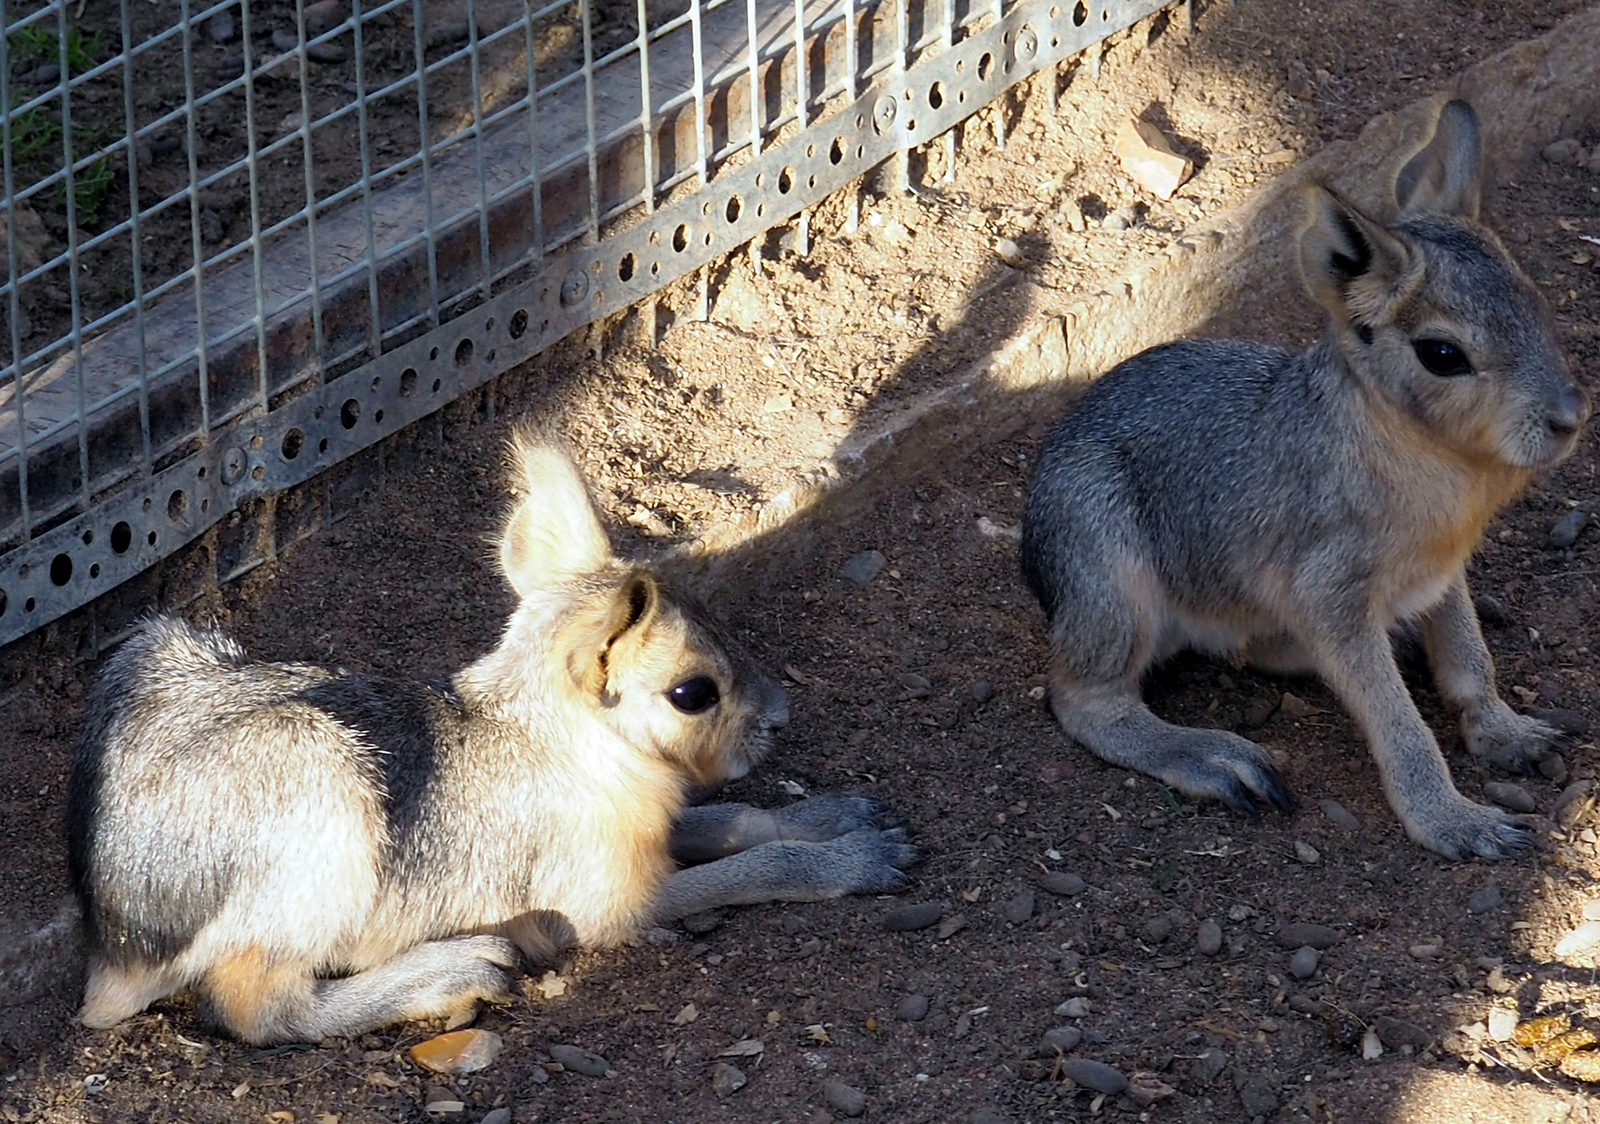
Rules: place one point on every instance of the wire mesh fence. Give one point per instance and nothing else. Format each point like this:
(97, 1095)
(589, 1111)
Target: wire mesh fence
(241, 238)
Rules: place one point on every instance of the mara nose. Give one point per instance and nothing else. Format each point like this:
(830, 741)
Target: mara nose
(1569, 409)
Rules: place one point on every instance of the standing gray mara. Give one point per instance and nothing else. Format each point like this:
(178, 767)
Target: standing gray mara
(1290, 510)
(319, 852)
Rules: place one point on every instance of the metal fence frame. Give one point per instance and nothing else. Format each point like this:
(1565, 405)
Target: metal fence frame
(732, 131)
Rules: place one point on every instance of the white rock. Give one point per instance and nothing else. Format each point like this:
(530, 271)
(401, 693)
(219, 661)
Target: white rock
(1502, 1022)
(1581, 939)
(1371, 1047)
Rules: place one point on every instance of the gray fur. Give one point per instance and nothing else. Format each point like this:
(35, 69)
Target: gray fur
(319, 852)
(1292, 509)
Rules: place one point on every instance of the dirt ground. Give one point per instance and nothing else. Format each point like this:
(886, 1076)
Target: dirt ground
(923, 687)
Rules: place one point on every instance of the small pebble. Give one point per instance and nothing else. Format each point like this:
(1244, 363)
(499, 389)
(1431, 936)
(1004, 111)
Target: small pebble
(1208, 1065)
(864, 567)
(442, 1102)
(909, 918)
(1502, 1022)
(1094, 1075)
(326, 53)
(212, 230)
(1297, 933)
(913, 1008)
(579, 1060)
(1075, 1008)
(1256, 1095)
(1158, 929)
(988, 1116)
(459, 1051)
(1591, 909)
(844, 1098)
(726, 1079)
(1553, 767)
(1019, 908)
(1426, 950)
(1581, 939)
(1397, 1034)
(1303, 964)
(1208, 938)
(1508, 795)
(1059, 1039)
(1485, 898)
(1259, 713)
(1340, 816)
(1009, 252)
(1063, 883)
(501, 1115)
(1371, 1045)
(448, 34)
(323, 15)
(221, 28)
(230, 66)
(1306, 853)
(980, 691)
(1490, 610)
(1294, 708)
(1567, 530)
(44, 75)
(284, 41)
(1560, 151)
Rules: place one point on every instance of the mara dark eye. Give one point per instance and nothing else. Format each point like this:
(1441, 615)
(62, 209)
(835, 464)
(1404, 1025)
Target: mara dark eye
(1442, 358)
(695, 696)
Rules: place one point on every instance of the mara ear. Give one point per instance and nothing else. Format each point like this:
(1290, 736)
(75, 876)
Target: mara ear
(553, 533)
(1351, 265)
(1445, 178)
(607, 630)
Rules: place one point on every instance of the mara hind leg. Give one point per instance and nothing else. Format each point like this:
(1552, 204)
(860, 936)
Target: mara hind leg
(263, 1002)
(1104, 640)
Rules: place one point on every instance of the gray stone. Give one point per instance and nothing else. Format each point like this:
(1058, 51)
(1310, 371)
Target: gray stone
(1297, 933)
(1485, 898)
(1063, 883)
(1571, 525)
(1075, 1008)
(1059, 1039)
(326, 53)
(980, 691)
(1208, 938)
(726, 1079)
(1208, 1065)
(1340, 816)
(212, 230)
(323, 15)
(230, 66)
(1490, 610)
(285, 41)
(1508, 795)
(1158, 929)
(222, 28)
(864, 567)
(43, 75)
(1560, 151)
(500, 1115)
(1395, 1033)
(844, 1098)
(1256, 1095)
(913, 1008)
(1019, 908)
(1094, 1075)
(909, 918)
(1303, 964)
(579, 1060)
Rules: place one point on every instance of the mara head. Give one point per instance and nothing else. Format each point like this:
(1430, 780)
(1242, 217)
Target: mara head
(1431, 312)
(612, 638)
